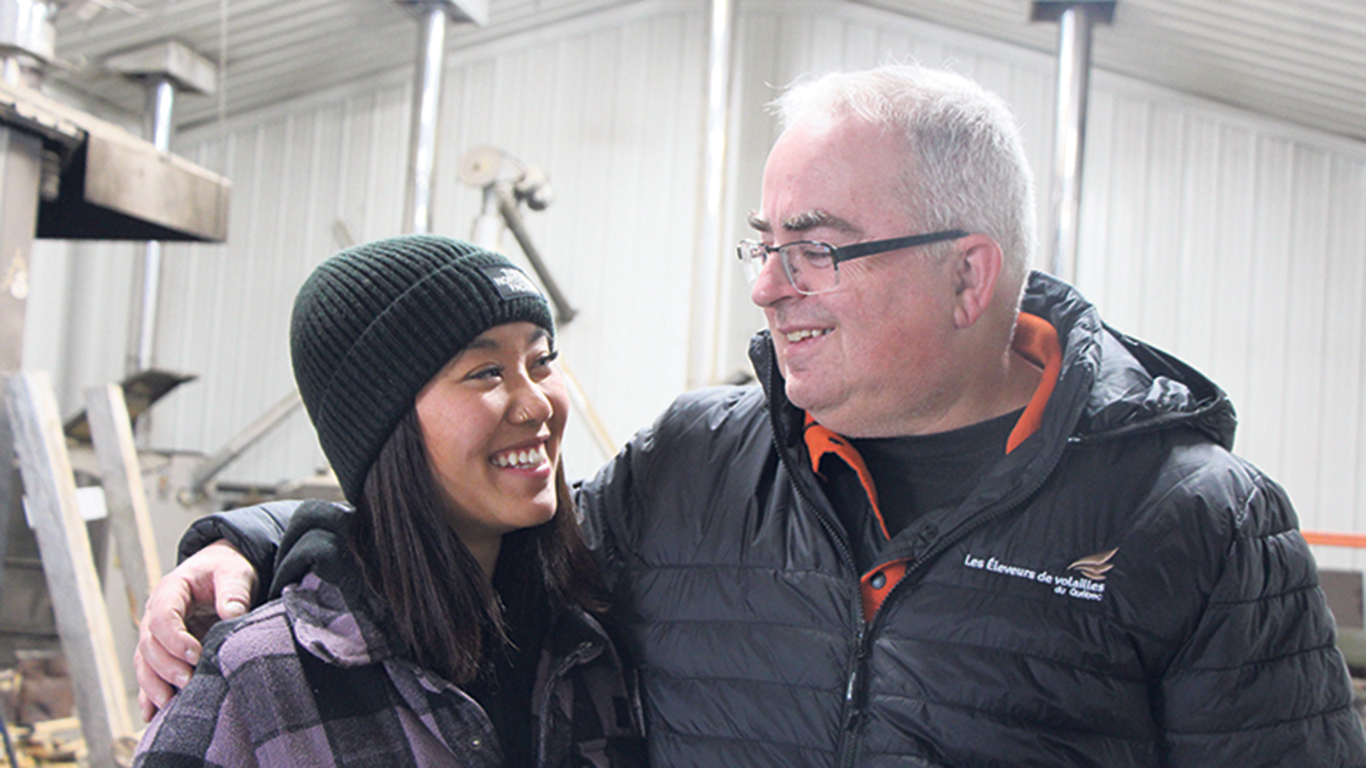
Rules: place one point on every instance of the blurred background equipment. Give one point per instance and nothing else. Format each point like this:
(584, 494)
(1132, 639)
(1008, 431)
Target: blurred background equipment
(67, 174)
(507, 183)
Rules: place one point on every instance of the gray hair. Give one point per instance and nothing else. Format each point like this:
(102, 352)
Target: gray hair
(966, 168)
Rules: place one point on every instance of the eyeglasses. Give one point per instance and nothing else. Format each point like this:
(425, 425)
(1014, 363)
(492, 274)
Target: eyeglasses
(813, 267)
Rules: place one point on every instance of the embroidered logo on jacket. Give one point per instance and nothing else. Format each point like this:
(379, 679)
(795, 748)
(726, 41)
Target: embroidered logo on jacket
(1094, 566)
(1086, 586)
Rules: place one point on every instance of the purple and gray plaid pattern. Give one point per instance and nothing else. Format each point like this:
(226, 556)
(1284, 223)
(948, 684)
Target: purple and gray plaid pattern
(305, 680)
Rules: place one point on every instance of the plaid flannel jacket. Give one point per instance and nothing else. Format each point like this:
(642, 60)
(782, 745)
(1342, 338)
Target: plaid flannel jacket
(307, 679)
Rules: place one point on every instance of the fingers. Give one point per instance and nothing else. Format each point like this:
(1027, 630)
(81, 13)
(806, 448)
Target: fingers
(149, 710)
(218, 580)
(153, 691)
(234, 580)
(166, 651)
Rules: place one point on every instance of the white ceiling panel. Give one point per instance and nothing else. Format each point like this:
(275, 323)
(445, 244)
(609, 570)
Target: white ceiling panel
(1297, 60)
(269, 51)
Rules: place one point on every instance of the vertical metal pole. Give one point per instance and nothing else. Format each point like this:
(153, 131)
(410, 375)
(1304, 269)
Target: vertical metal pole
(160, 105)
(29, 32)
(417, 206)
(488, 226)
(1074, 69)
(29, 43)
(142, 351)
(707, 264)
(11, 71)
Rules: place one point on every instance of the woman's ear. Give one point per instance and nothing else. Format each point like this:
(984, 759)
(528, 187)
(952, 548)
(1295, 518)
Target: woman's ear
(977, 265)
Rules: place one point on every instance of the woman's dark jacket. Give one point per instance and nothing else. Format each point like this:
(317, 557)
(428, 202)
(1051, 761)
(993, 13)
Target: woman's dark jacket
(1119, 590)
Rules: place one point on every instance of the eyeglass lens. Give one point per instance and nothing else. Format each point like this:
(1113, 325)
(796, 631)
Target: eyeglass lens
(809, 267)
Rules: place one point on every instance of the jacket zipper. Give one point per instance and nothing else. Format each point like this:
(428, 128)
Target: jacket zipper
(854, 702)
(796, 470)
(854, 698)
(851, 716)
(850, 709)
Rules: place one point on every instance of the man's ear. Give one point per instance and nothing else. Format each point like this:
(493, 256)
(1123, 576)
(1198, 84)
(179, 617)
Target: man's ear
(977, 265)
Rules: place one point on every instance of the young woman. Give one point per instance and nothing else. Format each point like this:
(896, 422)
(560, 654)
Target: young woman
(447, 620)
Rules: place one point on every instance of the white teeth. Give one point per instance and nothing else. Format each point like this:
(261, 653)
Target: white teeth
(524, 459)
(809, 333)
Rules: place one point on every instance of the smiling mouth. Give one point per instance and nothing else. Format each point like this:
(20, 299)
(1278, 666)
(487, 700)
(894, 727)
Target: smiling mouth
(523, 458)
(807, 333)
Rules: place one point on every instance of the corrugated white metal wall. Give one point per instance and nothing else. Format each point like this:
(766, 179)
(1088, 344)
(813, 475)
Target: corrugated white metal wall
(1238, 243)
(1241, 246)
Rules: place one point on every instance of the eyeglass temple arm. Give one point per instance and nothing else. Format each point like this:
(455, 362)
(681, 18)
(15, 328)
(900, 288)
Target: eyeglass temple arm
(856, 250)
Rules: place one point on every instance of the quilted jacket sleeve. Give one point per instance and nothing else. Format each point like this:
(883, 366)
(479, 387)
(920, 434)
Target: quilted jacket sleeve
(1260, 681)
(678, 447)
(255, 532)
(604, 502)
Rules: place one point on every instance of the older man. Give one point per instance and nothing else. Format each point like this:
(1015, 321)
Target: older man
(961, 522)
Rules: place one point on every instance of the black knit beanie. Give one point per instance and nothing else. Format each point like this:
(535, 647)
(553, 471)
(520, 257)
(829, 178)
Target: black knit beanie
(374, 323)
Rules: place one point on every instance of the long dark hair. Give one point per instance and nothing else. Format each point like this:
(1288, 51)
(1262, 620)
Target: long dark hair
(442, 608)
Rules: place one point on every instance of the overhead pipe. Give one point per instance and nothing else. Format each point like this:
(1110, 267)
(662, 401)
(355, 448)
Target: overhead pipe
(160, 107)
(706, 273)
(162, 68)
(423, 135)
(1075, 20)
(27, 40)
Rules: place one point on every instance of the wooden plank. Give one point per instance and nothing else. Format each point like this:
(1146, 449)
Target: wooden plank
(124, 495)
(77, 599)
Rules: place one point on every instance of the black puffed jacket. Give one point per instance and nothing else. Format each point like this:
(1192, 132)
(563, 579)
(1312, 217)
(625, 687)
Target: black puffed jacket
(1206, 641)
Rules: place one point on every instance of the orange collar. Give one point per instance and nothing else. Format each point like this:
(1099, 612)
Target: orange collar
(821, 442)
(1035, 340)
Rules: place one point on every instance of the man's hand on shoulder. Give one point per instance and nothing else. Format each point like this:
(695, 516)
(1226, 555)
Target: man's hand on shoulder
(215, 583)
